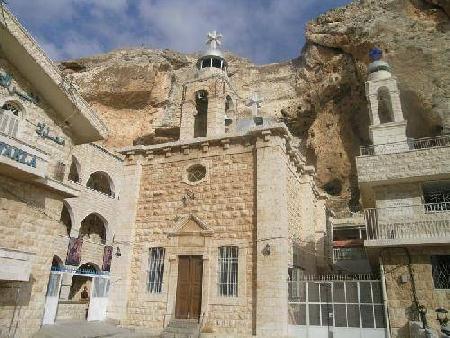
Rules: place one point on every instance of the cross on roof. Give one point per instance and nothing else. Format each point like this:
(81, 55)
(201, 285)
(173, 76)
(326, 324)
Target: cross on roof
(255, 102)
(214, 39)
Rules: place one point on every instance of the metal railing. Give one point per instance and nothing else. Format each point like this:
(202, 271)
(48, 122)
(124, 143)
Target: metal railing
(422, 221)
(345, 254)
(410, 144)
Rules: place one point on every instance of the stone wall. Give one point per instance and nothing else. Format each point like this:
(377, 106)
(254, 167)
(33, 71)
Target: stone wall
(431, 162)
(401, 287)
(307, 222)
(33, 113)
(29, 221)
(224, 201)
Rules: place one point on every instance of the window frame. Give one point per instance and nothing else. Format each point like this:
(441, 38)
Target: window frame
(155, 271)
(436, 260)
(228, 257)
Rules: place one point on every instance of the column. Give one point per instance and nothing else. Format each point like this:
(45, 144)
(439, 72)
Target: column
(272, 234)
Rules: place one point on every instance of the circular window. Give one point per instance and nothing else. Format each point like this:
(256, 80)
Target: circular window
(196, 173)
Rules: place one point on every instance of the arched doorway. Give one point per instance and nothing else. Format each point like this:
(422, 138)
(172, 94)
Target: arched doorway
(93, 227)
(74, 173)
(66, 218)
(101, 182)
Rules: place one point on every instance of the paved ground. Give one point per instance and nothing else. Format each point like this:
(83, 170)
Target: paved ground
(84, 329)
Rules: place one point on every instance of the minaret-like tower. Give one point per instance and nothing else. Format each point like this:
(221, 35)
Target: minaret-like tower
(208, 103)
(388, 124)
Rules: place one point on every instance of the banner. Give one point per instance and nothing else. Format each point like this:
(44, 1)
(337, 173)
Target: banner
(107, 258)
(74, 251)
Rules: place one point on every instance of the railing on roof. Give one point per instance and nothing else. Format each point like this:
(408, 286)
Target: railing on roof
(345, 254)
(336, 277)
(422, 221)
(409, 144)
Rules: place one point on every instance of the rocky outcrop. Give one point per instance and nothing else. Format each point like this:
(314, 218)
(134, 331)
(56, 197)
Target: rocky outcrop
(320, 95)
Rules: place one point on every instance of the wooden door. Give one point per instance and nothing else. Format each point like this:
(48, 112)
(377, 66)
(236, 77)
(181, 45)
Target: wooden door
(189, 287)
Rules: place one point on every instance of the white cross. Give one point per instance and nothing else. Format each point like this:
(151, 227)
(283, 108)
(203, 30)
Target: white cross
(214, 39)
(255, 103)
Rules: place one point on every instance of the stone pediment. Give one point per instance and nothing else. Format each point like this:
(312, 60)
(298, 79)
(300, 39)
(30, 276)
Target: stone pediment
(188, 226)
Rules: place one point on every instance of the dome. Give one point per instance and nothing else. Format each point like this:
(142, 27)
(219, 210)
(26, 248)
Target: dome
(379, 65)
(212, 57)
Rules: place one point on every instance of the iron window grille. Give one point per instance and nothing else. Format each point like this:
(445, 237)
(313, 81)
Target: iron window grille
(441, 271)
(156, 270)
(436, 196)
(196, 172)
(228, 271)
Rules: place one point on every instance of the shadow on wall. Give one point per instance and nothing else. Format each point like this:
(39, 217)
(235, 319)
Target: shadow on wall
(15, 294)
(421, 123)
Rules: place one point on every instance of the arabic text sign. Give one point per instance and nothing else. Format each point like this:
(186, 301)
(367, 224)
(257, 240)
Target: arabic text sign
(17, 155)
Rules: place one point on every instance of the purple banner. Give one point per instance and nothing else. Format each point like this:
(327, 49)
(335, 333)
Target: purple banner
(107, 258)
(74, 251)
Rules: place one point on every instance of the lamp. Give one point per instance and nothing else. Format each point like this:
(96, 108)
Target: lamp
(118, 253)
(442, 316)
(266, 250)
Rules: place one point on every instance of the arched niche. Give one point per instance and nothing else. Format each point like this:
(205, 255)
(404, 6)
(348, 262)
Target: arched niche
(201, 117)
(385, 111)
(102, 182)
(57, 262)
(11, 114)
(81, 283)
(75, 170)
(67, 217)
(94, 227)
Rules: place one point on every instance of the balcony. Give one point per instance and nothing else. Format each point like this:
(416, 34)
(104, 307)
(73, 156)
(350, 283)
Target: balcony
(404, 161)
(410, 144)
(408, 225)
(348, 254)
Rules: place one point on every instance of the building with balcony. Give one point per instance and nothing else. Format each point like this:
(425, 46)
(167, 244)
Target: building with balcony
(348, 252)
(405, 190)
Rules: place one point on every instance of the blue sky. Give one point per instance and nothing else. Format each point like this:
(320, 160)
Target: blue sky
(262, 30)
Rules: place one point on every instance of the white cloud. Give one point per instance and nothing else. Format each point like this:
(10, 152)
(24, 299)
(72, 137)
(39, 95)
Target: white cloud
(261, 30)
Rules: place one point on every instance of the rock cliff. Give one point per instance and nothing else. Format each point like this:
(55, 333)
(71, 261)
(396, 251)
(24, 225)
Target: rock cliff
(320, 94)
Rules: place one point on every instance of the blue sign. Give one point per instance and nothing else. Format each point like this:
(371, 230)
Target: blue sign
(6, 80)
(17, 155)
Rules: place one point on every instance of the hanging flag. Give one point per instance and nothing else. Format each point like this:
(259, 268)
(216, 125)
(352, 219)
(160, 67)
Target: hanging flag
(107, 258)
(74, 251)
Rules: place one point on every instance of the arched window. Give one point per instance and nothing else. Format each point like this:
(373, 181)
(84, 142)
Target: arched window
(200, 121)
(74, 173)
(66, 218)
(385, 111)
(101, 182)
(94, 228)
(10, 114)
(56, 262)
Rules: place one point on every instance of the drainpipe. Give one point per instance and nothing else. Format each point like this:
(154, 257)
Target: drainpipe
(385, 302)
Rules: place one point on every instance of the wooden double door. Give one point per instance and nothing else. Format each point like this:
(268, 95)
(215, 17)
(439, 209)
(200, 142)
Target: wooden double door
(189, 287)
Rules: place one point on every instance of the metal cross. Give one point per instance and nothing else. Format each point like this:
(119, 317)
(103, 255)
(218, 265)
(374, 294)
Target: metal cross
(255, 102)
(214, 39)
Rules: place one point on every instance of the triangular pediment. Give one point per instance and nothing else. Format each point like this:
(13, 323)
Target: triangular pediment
(190, 225)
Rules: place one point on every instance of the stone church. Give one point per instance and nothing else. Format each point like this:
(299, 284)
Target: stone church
(219, 233)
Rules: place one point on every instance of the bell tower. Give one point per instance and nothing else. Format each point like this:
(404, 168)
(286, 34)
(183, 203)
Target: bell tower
(388, 124)
(208, 102)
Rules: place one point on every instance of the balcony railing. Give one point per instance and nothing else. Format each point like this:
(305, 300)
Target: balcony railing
(345, 254)
(410, 144)
(425, 221)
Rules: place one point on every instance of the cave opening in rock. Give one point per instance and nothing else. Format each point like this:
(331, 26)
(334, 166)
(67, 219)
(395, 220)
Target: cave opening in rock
(333, 187)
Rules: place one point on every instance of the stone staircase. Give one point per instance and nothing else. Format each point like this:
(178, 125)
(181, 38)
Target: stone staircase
(182, 328)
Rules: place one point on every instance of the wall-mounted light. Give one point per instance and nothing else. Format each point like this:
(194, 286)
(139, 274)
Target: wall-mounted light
(266, 250)
(442, 316)
(118, 253)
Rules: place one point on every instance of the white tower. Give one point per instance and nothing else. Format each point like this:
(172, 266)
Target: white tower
(388, 124)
